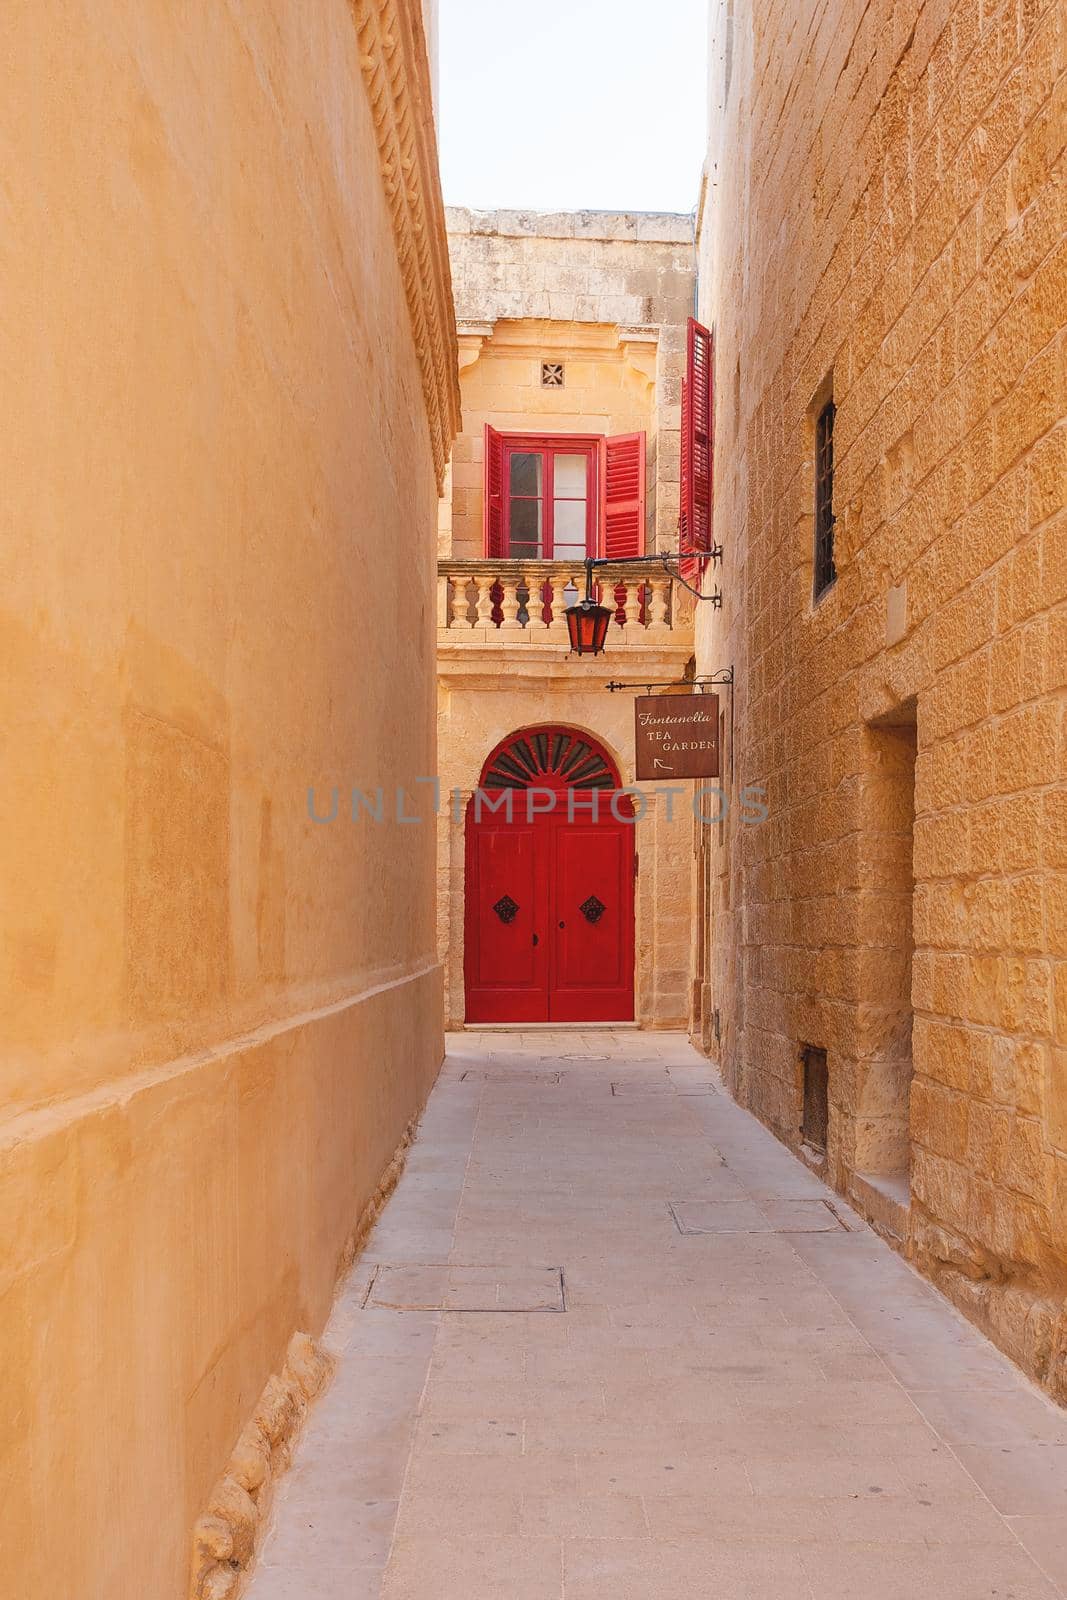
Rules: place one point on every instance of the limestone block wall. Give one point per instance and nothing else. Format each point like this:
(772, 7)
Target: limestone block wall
(219, 465)
(883, 217)
(606, 293)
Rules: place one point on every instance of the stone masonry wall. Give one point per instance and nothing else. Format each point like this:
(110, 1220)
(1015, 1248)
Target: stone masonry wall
(883, 214)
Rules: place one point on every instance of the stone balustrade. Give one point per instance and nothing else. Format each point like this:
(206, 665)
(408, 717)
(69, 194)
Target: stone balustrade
(495, 599)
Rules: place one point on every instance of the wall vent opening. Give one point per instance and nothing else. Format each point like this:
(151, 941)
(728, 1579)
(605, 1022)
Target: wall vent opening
(553, 374)
(815, 1126)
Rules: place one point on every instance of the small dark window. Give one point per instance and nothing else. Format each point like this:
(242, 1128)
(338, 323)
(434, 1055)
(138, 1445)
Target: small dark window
(816, 1123)
(825, 571)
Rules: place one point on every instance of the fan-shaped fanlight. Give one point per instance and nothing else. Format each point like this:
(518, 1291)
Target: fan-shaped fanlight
(543, 754)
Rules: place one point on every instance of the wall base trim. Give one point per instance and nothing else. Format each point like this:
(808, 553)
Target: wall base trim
(229, 1534)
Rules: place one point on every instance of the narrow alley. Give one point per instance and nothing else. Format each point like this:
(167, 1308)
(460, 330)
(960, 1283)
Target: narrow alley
(610, 1338)
(533, 873)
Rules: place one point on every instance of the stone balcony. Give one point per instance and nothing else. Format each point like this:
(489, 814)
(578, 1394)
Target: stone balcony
(485, 610)
(488, 626)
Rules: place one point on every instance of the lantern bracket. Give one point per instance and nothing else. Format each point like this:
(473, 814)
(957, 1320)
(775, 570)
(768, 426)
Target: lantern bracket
(590, 618)
(661, 558)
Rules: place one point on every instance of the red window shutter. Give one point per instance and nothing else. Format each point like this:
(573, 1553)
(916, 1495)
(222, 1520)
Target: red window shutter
(622, 496)
(493, 500)
(697, 409)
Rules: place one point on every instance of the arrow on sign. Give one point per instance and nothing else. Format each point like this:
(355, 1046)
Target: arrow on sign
(656, 762)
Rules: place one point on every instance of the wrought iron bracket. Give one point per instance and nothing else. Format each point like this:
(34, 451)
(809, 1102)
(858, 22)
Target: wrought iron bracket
(724, 677)
(659, 558)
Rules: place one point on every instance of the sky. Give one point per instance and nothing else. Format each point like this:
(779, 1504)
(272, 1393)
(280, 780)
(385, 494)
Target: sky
(567, 105)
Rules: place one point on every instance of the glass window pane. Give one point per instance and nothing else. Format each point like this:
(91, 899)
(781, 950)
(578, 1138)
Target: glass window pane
(569, 522)
(525, 527)
(525, 472)
(524, 552)
(568, 552)
(571, 475)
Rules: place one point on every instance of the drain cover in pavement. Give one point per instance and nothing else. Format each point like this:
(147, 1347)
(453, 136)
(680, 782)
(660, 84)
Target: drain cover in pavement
(745, 1216)
(461, 1288)
(643, 1086)
(511, 1080)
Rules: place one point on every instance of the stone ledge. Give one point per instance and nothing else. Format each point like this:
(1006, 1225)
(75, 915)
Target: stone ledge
(558, 674)
(885, 1202)
(461, 642)
(645, 227)
(636, 663)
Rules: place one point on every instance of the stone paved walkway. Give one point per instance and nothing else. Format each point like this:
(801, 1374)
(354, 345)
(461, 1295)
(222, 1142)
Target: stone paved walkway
(741, 1399)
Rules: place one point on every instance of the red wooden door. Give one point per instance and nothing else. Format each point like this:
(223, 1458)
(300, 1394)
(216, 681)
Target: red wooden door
(549, 898)
(507, 922)
(591, 976)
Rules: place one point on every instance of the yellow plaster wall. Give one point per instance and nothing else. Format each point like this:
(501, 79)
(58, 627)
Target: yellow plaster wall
(605, 392)
(884, 200)
(218, 1016)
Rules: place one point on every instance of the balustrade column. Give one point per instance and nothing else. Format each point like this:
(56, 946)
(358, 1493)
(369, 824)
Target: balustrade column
(460, 618)
(558, 626)
(509, 605)
(484, 604)
(535, 583)
(633, 606)
(657, 605)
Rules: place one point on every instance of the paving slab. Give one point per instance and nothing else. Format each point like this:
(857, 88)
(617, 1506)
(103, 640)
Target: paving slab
(610, 1339)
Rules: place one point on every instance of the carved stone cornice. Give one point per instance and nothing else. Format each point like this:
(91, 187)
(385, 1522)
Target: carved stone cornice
(640, 346)
(396, 72)
(472, 335)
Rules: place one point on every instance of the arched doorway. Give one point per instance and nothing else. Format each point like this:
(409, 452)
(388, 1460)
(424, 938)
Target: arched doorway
(549, 884)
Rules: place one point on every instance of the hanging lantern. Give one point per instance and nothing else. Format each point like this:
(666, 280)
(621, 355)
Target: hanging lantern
(587, 622)
(587, 625)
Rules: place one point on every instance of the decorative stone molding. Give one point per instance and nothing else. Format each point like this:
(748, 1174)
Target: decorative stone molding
(226, 1537)
(472, 336)
(396, 72)
(640, 346)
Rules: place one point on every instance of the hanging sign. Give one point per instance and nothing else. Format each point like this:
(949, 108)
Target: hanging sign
(677, 735)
